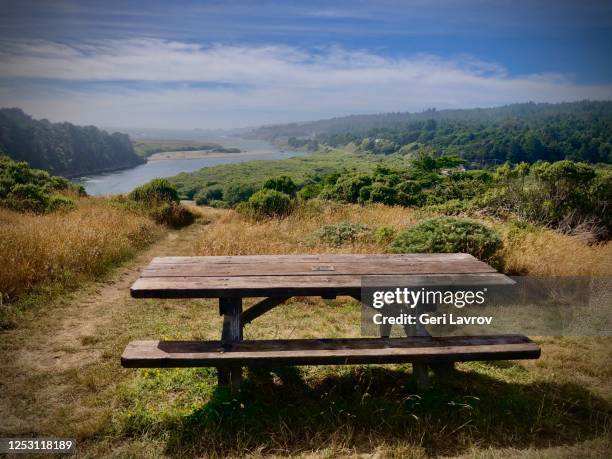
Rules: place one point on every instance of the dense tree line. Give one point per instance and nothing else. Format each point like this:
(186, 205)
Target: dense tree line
(63, 148)
(579, 131)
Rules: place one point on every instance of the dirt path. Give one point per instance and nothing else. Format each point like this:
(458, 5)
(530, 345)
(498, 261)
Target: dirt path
(60, 353)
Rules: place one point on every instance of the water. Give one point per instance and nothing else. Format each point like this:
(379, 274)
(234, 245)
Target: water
(126, 180)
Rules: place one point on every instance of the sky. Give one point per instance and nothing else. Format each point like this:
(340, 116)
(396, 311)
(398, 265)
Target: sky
(209, 64)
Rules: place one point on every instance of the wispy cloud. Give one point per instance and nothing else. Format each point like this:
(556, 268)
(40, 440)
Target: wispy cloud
(140, 82)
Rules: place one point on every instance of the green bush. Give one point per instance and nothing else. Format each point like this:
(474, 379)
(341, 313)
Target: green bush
(172, 214)
(383, 234)
(310, 191)
(29, 190)
(209, 194)
(347, 189)
(281, 183)
(338, 234)
(383, 194)
(451, 207)
(564, 195)
(267, 203)
(327, 193)
(158, 189)
(238, 192)
(59, 202)
(27, 197)
(448, 235)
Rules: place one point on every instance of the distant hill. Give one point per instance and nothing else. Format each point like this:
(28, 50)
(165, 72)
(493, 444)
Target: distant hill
(579, 131)
(63, 148)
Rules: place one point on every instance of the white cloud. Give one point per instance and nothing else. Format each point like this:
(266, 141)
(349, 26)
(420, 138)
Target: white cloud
(246, 85)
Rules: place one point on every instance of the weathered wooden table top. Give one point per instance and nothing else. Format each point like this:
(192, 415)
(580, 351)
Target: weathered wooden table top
(298, 275)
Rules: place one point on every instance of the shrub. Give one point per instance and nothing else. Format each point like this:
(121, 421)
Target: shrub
(347, 189)
(158, 189)
(452, 207)
(310, 191)
(383, 194)
(267, 203)
(384, 234)
(59, 202)
(33, 190)
(238, 192)
(79, 190)
(327, 193)
(27, 197)
(564, 195)
(409, 193)
(282, 183)
(338, 234)
(448, 235)
(173, 215)
(209, 194)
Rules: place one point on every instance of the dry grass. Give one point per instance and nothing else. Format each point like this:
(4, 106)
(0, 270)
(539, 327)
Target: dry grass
(38, 249)
(538, 252)
(232, 234)
(544, 252)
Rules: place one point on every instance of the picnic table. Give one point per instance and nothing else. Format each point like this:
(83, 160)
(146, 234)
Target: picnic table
(277, 278)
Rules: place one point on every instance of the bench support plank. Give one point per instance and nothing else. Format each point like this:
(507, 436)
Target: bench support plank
(261, 308)
(231, 333)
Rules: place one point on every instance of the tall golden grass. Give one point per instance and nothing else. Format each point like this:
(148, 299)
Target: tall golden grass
(543, 252)
(232, 234)
(37, 249)
(537, 252)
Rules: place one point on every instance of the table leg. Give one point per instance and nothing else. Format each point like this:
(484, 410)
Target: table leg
(230, 308)
(421, 373)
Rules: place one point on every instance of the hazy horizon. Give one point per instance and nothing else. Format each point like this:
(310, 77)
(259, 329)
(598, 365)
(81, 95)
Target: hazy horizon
(228, 65)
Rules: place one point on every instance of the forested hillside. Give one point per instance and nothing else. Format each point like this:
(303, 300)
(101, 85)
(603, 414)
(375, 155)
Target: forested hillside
(63, 148)
(580, 131)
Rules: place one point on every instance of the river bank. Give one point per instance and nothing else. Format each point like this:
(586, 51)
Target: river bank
(200, 154)
(168, 164)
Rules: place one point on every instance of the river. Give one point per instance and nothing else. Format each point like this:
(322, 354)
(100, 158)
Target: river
(126, 180)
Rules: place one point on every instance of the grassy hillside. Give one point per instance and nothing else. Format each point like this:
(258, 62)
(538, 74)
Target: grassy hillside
(64, 248)
(63, 148)
(53, 237)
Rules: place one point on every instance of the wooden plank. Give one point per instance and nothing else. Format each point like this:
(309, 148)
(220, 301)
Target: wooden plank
(310, 258)
(171, 354)
(361, 268)
(266, 286)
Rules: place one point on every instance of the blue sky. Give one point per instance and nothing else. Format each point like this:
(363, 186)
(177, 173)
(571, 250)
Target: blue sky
(232, 64)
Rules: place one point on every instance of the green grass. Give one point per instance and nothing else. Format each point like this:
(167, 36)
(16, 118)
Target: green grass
(288, 410)
(301, 170)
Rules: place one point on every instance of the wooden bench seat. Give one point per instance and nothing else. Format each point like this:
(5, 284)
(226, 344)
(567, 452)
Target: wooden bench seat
(422, 349)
